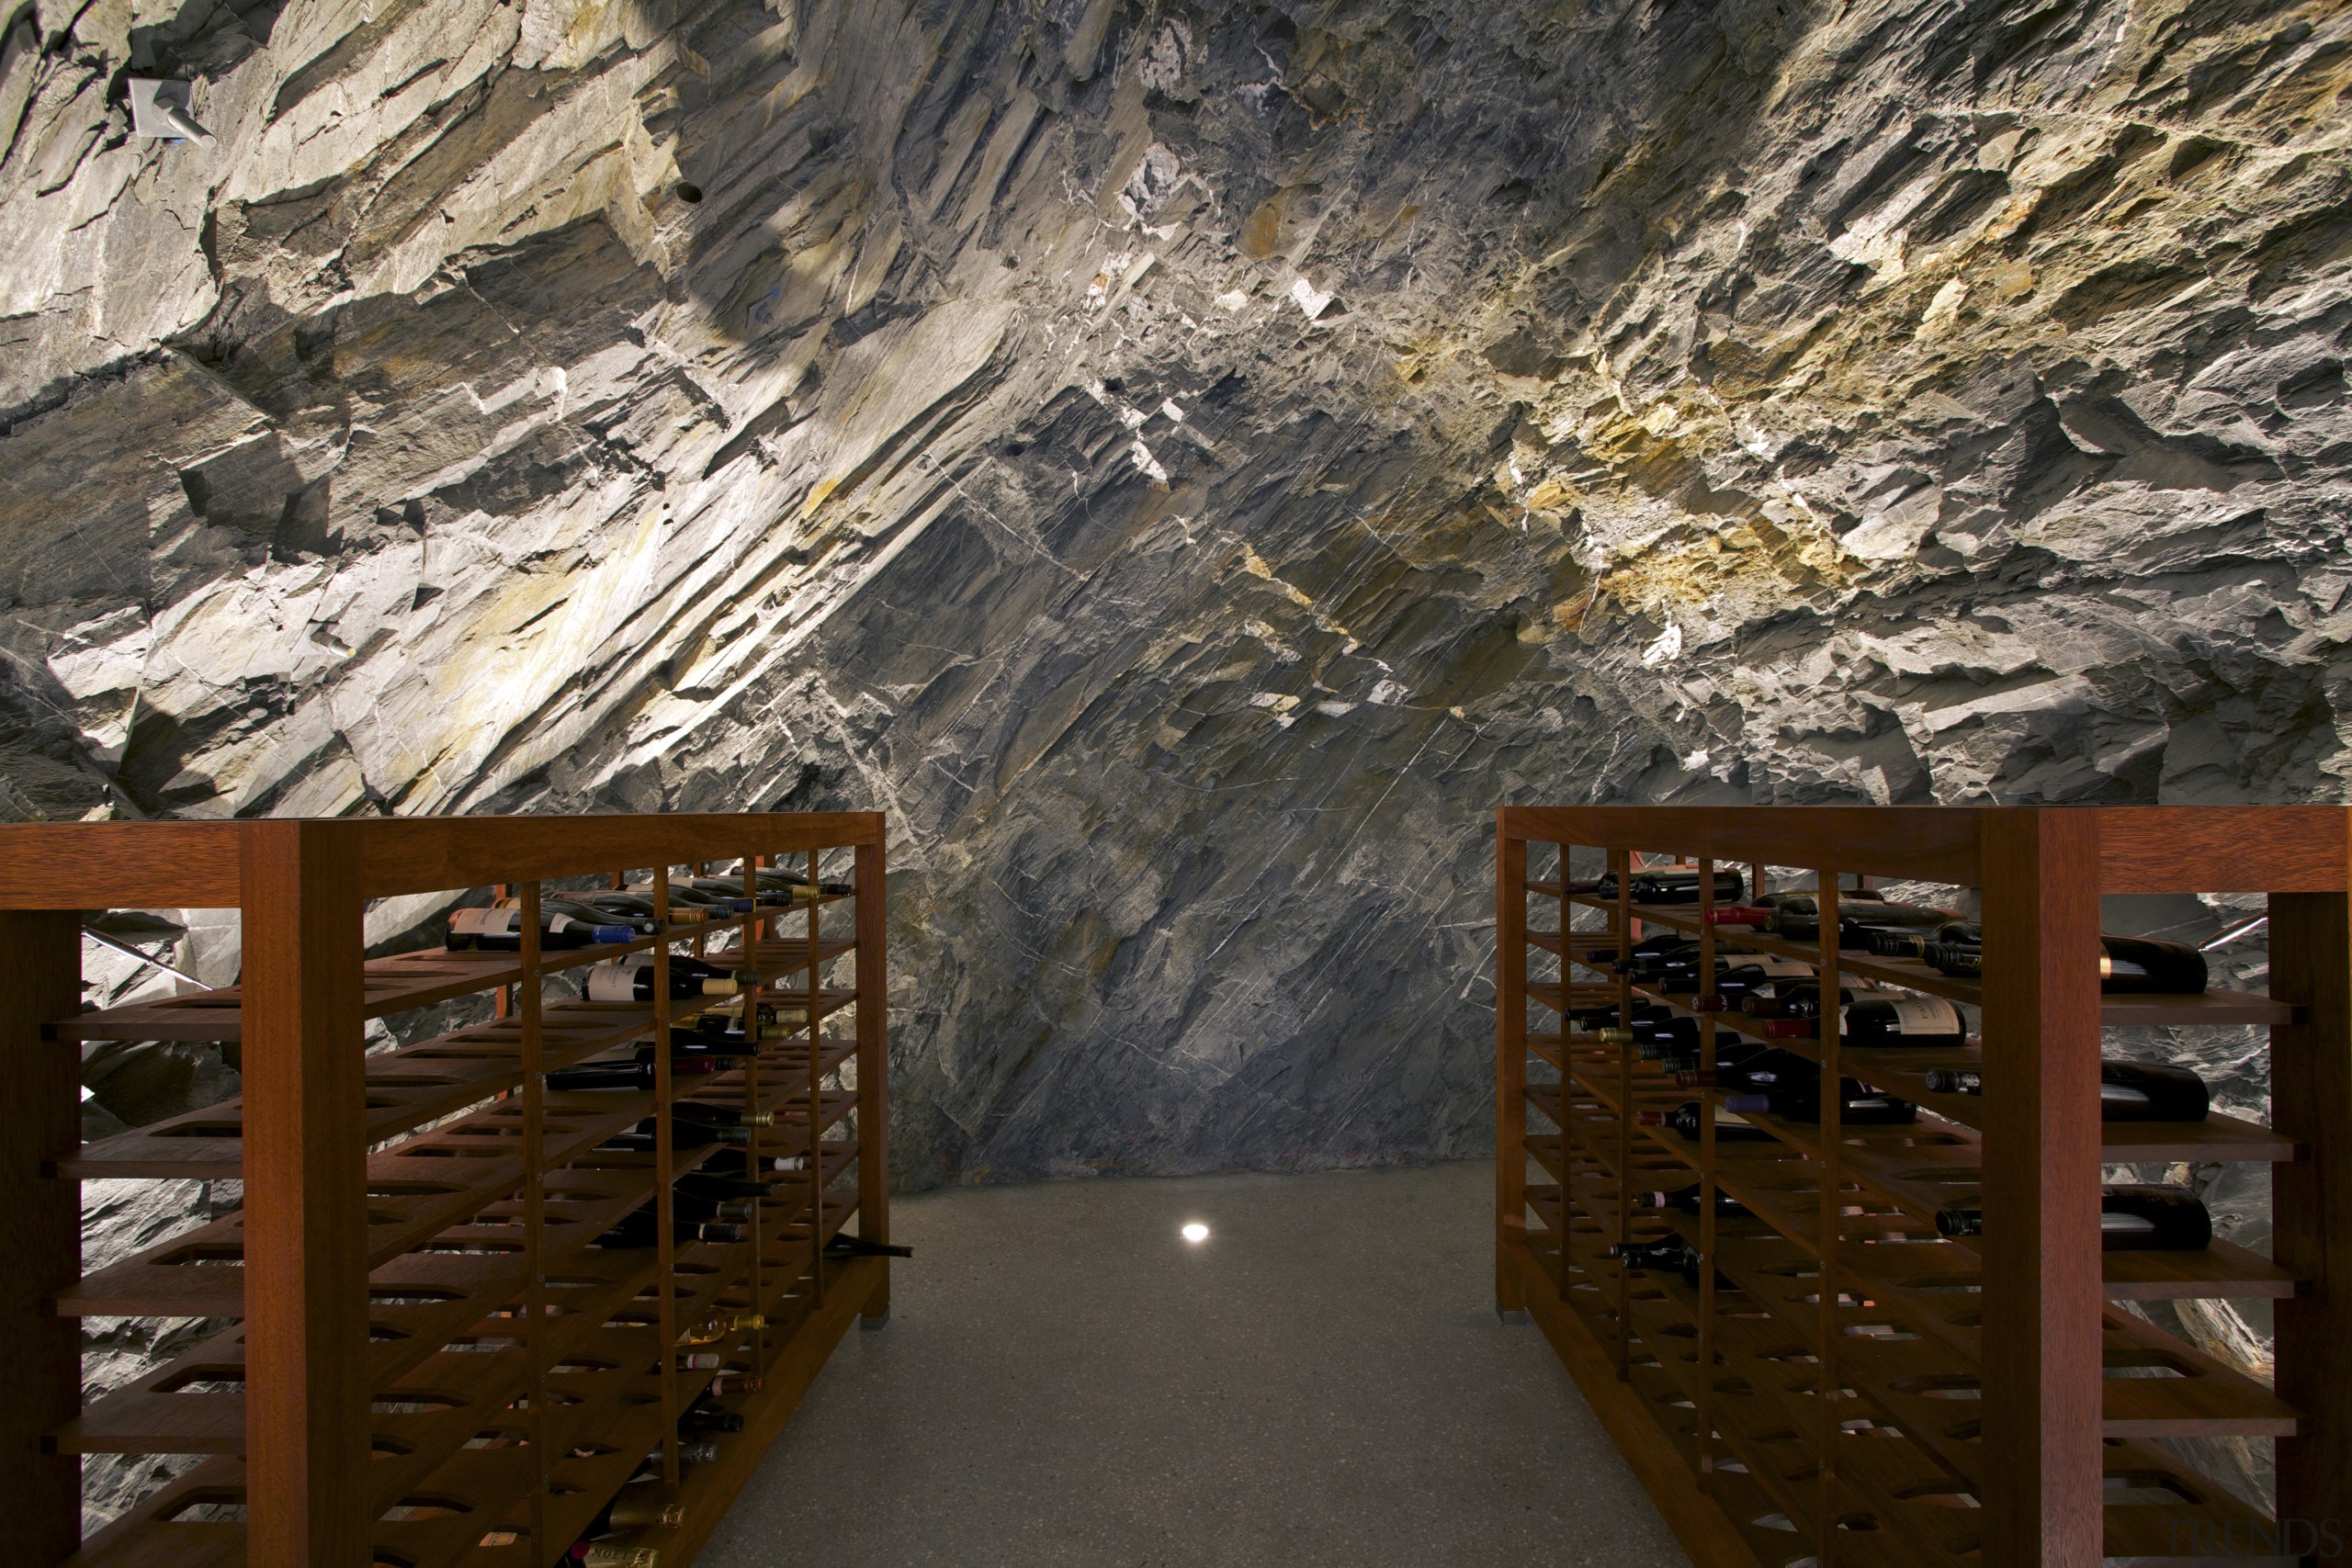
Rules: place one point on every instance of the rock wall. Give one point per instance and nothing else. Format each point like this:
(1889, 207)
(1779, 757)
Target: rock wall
(1185, 462)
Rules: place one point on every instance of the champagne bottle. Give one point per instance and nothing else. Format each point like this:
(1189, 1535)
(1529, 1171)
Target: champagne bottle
(1684, 1118)
(632, 979)
(1688, 1201)
(1857, 1104)
(2132, 1219)
(2128, 1091)
(500, 931)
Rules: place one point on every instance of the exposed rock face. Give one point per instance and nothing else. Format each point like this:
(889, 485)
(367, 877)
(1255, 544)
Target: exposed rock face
(1185, 463)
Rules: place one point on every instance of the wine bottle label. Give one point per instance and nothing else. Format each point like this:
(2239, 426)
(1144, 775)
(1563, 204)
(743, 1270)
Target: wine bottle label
(1916, 1015)
(484, 922)
(612, 982)
(1779, 968)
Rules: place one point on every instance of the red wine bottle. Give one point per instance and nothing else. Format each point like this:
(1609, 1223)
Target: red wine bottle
(2147, 964)
(1688, 1201)
(1758, 1068)
(2128, 1091)
(1684, 1118)
(1859, 1105)
(1672, 1254)
(2132, 1219)
(1667, 885)
(1798, 918)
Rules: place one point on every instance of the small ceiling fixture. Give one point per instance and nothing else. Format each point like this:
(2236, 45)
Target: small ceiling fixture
(1196, 1233)
(159, 108)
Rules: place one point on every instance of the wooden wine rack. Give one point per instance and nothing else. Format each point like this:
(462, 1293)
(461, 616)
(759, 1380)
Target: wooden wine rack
(433, 1365)
(1844, 1386)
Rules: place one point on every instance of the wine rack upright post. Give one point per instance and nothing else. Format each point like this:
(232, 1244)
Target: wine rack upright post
(2042, 1135)
(2311, 1090)
(305, 1207)
(872, 965)
(41, 1221)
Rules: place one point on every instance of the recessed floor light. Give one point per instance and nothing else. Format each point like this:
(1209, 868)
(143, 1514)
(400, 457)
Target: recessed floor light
(1196, 1233)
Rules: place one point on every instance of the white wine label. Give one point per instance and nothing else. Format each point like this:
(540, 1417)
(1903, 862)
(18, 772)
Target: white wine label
(560, 923)
(612, 982)
(484, 922)
(1926, 1015)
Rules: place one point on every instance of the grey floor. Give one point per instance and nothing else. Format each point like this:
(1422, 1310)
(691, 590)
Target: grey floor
(1064, 1380)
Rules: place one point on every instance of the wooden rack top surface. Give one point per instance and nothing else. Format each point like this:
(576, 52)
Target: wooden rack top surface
(2141, 848)
(85, 866)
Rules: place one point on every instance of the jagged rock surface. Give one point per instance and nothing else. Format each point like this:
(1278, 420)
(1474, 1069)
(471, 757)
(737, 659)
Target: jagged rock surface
(1184, 462)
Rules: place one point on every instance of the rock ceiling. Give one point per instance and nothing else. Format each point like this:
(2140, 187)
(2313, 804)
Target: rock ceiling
(1184, 462)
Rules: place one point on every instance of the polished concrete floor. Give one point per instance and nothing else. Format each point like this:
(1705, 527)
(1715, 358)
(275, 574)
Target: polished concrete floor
(1066, 1381)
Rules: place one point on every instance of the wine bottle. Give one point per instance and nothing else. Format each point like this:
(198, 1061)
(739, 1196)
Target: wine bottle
(2132, 1219)
(1799, 999)
(640, 1512)
(632, 979)
(1798, 918)
(1684, 1118)
(795, 884)
(1749, 972)
(2141, 964)
(735, 1382)
(1640, 953)
(1857, 1104)
(500, 931)
(713, 1184)
(640, 1229)
(1667, 885)
(1756, 1067)
(1880, 1023)
(699, 1361)
(2128, 1091)
(701, 1417)
(844, 1245)
(1687, 1199)
(694, 1209)
(711, 1115)
(1672, 1254)
(567, 904)
(640, 907)
(722, 1326)
(604, 1554)
(1957, 949)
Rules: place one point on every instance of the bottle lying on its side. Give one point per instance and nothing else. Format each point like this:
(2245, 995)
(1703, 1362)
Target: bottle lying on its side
(1666, 884)
(2132, 1219)
(2128, 1091)
(632, 979)
(1684, 1118)
(2128, 966)
(500, 931)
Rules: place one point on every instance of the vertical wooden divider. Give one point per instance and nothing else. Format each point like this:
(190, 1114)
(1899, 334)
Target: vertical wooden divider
(2042, 1294)
(528, 1001)
(873, 1065)
(305, 1212)
(1511, 1052)
(762, 1139)
(1705, 1436)
(816, 1169)
(666, 1228)
(41, 1232)
(2311, 1100)
(1623, 862)
(1828, 1405)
